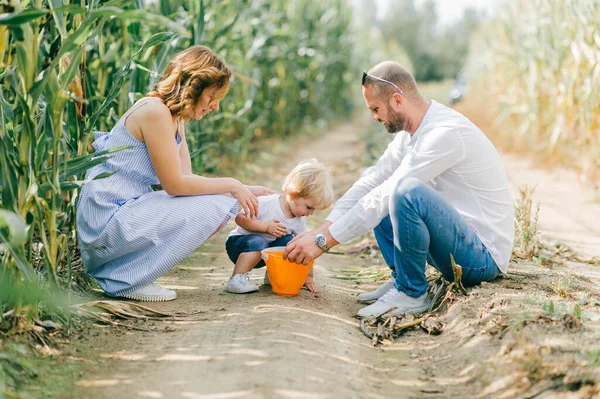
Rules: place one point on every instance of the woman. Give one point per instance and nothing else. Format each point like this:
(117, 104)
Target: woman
(131, 235)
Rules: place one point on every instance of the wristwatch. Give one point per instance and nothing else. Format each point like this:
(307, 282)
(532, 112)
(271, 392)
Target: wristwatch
(321, 242)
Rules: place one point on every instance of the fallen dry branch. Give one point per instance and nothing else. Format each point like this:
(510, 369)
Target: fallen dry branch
(382, 329)
(104, 311)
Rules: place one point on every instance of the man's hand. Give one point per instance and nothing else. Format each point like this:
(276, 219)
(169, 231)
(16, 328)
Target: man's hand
(260, 190)
(299, 236)
(302, 249)
(275, 228)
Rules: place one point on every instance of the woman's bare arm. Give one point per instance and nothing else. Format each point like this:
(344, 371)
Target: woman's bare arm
(156, 126)
(184, 152)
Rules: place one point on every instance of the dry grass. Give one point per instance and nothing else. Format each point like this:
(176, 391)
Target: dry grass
(535, 67)
(526, 218)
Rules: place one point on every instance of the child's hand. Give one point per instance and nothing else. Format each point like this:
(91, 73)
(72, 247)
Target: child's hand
(311, 285)
(275, 228)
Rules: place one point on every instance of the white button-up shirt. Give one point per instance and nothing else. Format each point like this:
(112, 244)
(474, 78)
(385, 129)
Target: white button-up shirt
(453, 156)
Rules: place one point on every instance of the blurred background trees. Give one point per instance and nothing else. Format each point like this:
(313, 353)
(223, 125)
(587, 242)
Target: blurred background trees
(439, 51)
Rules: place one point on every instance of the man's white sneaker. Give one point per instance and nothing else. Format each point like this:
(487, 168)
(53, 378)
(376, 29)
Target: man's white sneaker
(241, 284)
(395, 302)
(152, 293)
(378, 293)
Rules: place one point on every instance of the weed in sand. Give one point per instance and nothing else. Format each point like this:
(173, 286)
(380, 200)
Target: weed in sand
(561, 310)
(561, 287)
(593, 358)
(526, 243)
(536, 299)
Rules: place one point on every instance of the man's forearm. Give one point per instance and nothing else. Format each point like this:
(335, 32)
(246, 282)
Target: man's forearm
(324, 229)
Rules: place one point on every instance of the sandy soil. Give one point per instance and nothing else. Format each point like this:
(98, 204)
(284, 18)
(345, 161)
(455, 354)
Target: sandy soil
(501, 340)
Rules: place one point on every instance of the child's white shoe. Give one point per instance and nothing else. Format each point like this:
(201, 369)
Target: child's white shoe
(241, 284)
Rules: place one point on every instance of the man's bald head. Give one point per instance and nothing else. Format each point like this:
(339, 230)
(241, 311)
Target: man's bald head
(395, 73)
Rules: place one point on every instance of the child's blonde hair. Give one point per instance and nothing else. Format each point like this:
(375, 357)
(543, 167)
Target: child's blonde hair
(310, 179)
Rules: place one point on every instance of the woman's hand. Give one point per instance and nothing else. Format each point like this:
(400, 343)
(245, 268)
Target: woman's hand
(247, 200)
(260, 190)
(275, 228)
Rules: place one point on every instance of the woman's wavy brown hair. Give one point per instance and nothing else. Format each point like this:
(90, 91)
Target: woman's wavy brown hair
(187, 75)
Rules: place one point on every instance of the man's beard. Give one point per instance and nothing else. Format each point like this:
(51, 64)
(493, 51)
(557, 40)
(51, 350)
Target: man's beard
(396, 122)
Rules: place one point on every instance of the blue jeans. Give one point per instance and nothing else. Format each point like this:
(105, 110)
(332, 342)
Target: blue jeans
(423, 227)
(236, 245)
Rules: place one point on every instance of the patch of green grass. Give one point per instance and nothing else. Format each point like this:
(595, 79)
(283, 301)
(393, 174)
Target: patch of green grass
(593, 358)
(561, 309)
(25, 373)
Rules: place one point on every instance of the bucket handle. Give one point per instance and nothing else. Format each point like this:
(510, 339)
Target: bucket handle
(264, 256)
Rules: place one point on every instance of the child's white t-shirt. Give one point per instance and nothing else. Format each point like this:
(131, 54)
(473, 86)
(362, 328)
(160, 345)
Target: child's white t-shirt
(269, 208)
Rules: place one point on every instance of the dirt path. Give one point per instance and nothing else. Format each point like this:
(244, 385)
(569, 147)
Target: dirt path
(310, 346)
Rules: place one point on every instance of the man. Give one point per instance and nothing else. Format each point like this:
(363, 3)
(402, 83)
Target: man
(438, 190)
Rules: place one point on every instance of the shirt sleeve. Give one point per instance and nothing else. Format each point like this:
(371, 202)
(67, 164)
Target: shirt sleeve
(372, 177)
(436, 151)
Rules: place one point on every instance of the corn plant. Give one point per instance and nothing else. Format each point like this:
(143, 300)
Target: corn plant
(540, 62)
(69, 68)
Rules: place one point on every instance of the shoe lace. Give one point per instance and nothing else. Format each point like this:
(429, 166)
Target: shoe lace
(246, 276)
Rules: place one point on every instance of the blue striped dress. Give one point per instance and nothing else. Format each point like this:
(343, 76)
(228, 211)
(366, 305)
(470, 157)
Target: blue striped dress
(130, 235)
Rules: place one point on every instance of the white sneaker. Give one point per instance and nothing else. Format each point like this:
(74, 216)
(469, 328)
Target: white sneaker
(241, 284)
(378, 293)
(152, 293)
(395, 302)
(266, 280)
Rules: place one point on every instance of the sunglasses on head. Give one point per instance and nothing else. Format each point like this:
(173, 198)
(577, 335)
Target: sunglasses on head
(364, 77)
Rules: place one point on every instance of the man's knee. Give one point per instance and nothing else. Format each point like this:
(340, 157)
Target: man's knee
(408, 189)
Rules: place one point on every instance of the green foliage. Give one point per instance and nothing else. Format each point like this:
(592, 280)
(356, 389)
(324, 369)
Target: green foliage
(68, 69)
(15, 368)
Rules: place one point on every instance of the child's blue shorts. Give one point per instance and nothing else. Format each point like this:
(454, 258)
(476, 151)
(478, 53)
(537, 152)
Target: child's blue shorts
(235, 245)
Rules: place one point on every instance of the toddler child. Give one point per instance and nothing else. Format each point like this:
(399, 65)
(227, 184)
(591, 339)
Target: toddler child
(280, 217)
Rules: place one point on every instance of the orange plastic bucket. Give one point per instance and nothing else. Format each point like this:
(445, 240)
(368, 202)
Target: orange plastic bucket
(287, 278)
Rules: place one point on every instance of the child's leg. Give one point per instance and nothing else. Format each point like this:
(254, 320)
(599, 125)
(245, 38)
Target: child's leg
(244, 251)
(310, 282)
(246, 262)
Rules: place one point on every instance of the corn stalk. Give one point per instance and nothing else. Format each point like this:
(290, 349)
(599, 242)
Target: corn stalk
(540, 61)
